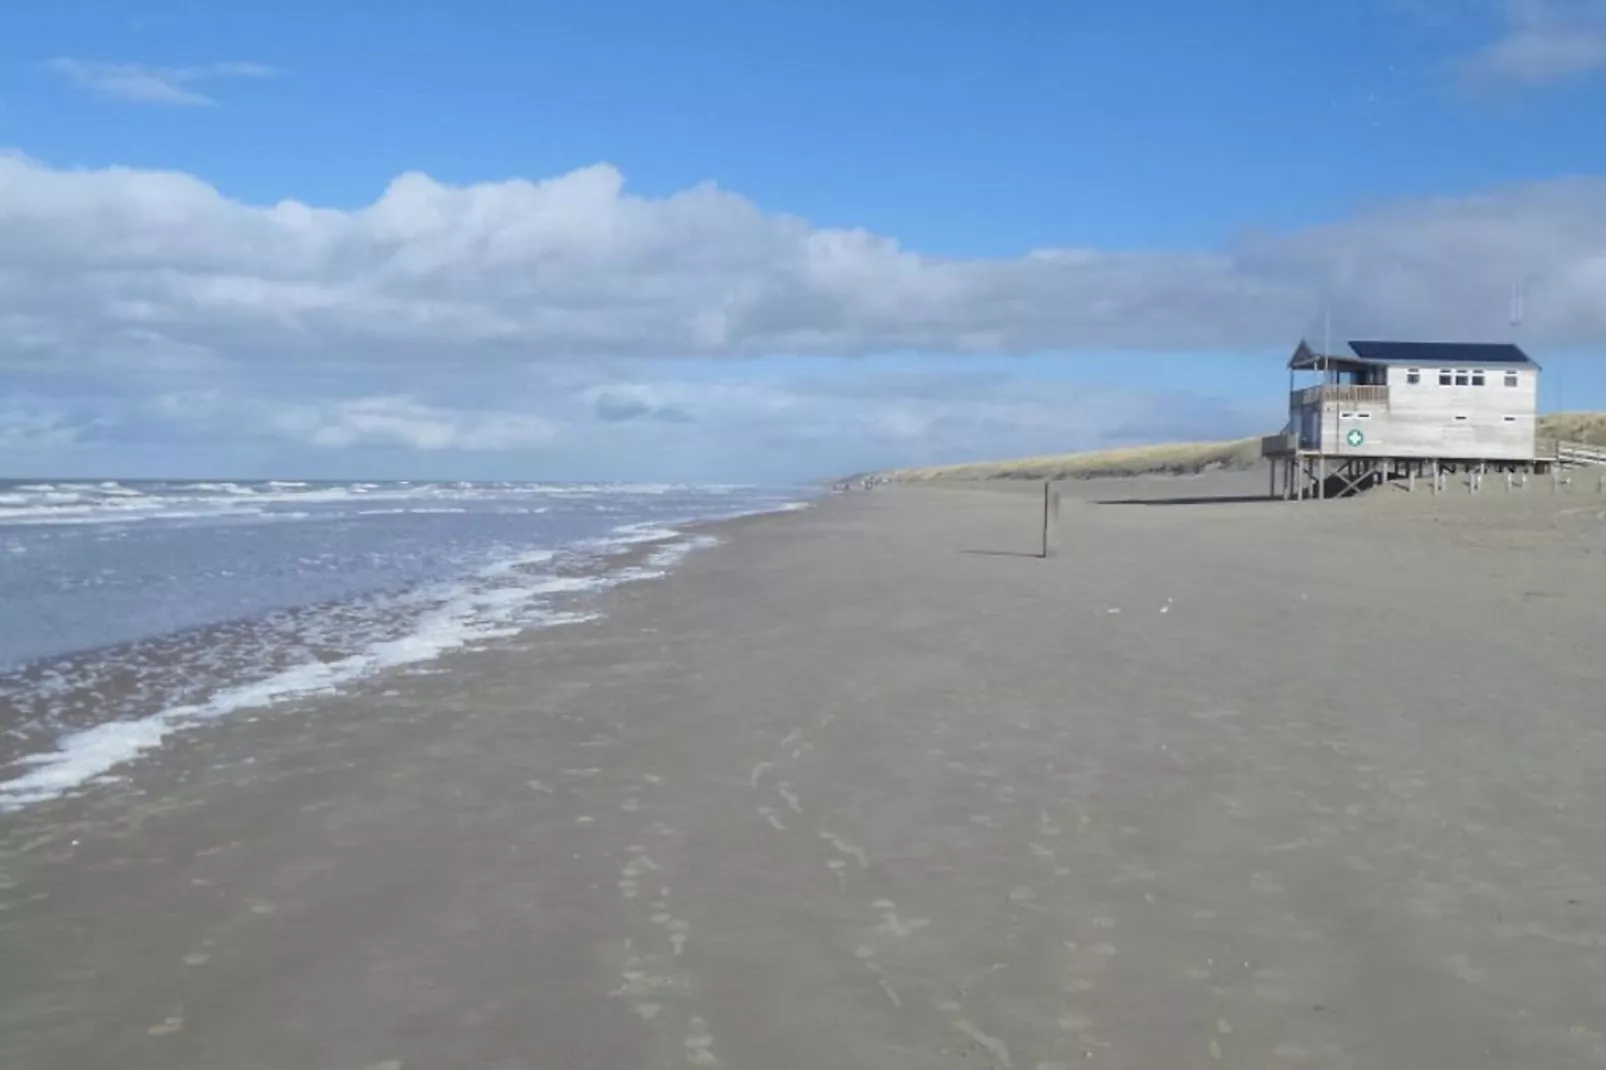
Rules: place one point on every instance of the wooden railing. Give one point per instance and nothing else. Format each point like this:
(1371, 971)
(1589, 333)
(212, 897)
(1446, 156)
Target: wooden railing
(1580, 453)
(1341, 395)
(1278, 445)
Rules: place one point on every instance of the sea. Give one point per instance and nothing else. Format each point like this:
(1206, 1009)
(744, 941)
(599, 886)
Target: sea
(131, 610)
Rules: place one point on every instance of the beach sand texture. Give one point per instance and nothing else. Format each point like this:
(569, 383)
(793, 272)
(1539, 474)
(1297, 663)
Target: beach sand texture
(1243, 784)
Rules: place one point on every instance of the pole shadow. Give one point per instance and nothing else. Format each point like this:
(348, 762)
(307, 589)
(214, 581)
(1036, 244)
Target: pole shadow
(1237, 499)
(1003, 553)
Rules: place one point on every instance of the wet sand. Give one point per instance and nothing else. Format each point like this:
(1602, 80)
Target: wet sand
(1238, 784)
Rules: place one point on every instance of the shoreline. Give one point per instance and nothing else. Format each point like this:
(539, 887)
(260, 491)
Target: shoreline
(83, 750)
(1217, 785)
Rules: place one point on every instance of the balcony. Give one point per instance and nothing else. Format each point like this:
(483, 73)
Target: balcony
(1279, 445)
(1331, 394)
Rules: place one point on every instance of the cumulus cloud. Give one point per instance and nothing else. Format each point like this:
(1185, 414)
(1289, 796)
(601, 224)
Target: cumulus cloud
(144, 84)
(122, 268)
(1544, 41)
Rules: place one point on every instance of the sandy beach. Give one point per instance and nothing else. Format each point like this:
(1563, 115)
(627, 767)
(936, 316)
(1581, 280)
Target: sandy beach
(1232, 783)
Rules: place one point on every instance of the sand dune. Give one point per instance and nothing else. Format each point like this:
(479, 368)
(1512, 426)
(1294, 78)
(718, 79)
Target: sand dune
(1182, 458)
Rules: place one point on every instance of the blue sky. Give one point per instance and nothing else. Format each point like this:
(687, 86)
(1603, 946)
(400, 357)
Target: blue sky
(761, 240)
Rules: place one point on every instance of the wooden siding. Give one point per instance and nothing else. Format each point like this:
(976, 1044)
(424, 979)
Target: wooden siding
(1424, 419)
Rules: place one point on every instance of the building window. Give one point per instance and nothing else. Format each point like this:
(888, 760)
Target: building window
(1477, 377)
(1413, 376)
(1509, 419)
(1363, 416)
(1444, 376)
(1511, 378)
(1462, 377)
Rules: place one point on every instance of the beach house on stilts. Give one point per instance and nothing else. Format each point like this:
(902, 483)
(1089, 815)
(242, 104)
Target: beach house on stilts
(1373, 412)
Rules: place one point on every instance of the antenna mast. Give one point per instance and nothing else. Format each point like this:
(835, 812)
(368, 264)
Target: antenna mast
(1327, 337)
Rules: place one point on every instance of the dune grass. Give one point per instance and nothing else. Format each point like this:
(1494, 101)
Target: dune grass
(1177, 458)
(1180, 458)
(1587, 427)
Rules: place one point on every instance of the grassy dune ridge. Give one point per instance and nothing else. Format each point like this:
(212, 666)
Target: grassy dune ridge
(1180, 458)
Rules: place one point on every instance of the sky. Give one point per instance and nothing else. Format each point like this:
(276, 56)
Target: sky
(762, 241)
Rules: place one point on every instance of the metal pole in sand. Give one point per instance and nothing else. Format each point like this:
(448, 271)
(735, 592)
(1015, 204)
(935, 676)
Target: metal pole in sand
(1051, 519)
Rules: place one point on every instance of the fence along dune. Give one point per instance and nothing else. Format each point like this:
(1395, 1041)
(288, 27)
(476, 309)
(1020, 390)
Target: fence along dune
(1180, 458)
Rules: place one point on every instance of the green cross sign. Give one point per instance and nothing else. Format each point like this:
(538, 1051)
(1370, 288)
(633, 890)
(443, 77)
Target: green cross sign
(1355, 438)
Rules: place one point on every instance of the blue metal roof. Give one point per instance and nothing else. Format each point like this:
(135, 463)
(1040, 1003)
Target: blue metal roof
(1437, 353)
(1420, 354)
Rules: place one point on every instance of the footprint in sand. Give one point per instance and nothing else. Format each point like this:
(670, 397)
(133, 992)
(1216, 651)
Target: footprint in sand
(856, 853)
(993, 1046)
(679, 933)
(866, 954)
(700, 1044)
(892, 925)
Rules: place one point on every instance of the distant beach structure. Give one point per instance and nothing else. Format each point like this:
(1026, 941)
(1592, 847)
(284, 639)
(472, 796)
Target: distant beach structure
(1379, 411)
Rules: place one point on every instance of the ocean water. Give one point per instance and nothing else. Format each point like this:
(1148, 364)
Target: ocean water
(129, 610)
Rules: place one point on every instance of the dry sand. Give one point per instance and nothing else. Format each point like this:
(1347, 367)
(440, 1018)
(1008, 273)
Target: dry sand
(1237, 784)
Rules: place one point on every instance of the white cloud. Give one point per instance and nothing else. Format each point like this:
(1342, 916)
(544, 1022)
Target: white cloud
(638, 420)
(144, 84)
(121, 269)
(1544, 41)
(403, 421)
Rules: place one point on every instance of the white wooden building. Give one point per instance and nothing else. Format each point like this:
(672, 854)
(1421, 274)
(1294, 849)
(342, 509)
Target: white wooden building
(1378, 411)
